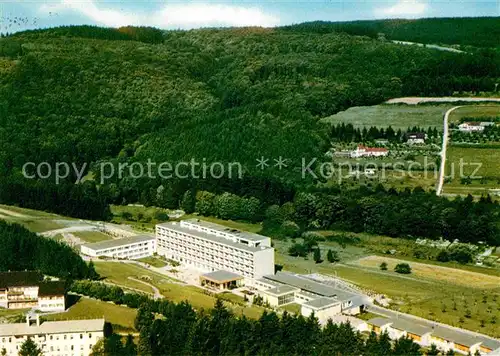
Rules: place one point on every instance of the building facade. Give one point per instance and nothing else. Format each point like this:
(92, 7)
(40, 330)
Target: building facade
(27, 289)
(362, 151)
(132, 247)
(55, 338)
(212, 247)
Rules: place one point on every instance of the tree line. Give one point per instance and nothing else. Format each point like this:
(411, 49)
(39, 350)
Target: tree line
(21, 249)
(347, 133)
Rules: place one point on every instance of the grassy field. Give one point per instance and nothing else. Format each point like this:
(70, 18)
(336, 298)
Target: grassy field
(120, 316)
(397, 116)
(465, 160)
(92, 236)
(33, 220)
(293, 308)
(478, 111)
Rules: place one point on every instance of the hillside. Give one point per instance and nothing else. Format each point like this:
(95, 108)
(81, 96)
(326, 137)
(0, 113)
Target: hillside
(467, 31)
(234, 95)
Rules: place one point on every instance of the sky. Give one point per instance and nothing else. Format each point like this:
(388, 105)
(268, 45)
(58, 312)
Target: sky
(17, 15)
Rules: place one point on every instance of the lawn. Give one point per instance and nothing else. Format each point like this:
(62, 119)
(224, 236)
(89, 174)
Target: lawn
(92, 236)
(292, 308)
(397, 116)
(153, 261)
(121, 316)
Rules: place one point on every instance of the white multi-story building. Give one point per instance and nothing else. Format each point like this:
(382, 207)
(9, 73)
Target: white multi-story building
(55, 338)
(211, 247)
(132, 247)
(27, 289)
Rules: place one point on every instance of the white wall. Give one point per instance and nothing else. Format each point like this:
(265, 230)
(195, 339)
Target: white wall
(263, 262)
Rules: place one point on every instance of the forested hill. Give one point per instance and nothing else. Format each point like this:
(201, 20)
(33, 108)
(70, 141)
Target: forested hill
(86, 94)
(468, 31)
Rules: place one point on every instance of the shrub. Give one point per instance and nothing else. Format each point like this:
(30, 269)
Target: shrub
(383, 266)
(403, 268)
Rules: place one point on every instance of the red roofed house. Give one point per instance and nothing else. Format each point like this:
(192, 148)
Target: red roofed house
(362, 151)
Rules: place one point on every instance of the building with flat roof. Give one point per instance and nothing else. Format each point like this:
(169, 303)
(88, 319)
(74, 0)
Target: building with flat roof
(132, 247)
(55, 338)
(211, 247)
(28, 289)
(324, 300)
(221, 280)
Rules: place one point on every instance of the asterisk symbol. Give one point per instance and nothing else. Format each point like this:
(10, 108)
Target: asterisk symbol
(262, 163)
(280, 163)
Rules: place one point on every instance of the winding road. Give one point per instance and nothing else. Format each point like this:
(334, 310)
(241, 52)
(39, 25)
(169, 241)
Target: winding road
(439, 189)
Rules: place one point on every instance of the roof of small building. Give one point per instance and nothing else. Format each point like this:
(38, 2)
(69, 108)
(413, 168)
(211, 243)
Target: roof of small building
(490, 343)
(411, 327)
(103, 245)
(379, 321)
(221, 276)
(415, 135)
(53, 288)
(309, 285)
(321, 303)
(280, 290)
(458, 337)
(20, 279)
(52, 327)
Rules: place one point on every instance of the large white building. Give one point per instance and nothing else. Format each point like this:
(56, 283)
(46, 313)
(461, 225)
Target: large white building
(132, 247)
(27, 289)
(211, 247)
(55, 338)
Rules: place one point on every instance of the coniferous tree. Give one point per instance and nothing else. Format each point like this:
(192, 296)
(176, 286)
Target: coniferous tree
(30, 348)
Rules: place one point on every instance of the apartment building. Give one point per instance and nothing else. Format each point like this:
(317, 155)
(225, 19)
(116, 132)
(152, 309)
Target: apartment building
(55, 338)
(27, 289)
(132, 247)
(211, 247)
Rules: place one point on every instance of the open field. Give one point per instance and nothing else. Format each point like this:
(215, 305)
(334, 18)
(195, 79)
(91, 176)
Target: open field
(477, 111)
(33, 220)
(446, 274)
(465, 160)
(92, 236)
(87, 308)
(397, 116)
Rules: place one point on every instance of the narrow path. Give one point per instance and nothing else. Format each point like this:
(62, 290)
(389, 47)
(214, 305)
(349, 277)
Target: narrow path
(415, 100)
(157, 294)
(439, 189)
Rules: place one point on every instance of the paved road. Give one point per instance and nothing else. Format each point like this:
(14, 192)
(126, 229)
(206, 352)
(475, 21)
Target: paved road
(157, 294)
(440, 48)
(449, 99)
(439, 189)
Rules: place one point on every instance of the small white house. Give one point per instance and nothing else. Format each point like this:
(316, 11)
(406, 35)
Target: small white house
(471, 127)
(362, 151)
(323, 308)
(415, 138)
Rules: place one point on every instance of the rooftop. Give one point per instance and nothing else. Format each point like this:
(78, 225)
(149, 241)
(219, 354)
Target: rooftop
(103, 245)
(322, 303)
(52, 327)
(458, 337)
(490, 343)
(211, 237)
(280, 290)
(242, 234)
(309, 285)
(410, 327)
(379, 321)
(221, 276)
(51, 288)
(20, 279)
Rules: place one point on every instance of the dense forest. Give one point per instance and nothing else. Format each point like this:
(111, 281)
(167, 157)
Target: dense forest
(167, 328)
(22, 250)
(471, 31)
(87, 95)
